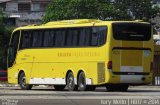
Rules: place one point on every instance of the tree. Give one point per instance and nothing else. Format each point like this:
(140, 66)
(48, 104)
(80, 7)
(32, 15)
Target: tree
(1, 31)
(123, 12)
(100, 9)
(75, 9)
(138, 9)
(5, 33)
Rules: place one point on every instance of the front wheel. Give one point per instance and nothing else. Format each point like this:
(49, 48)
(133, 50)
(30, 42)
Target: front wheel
(22, 82)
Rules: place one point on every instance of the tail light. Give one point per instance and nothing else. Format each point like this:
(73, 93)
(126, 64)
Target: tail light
(109, 65)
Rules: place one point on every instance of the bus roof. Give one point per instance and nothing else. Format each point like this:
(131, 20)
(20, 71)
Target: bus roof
(71, 23)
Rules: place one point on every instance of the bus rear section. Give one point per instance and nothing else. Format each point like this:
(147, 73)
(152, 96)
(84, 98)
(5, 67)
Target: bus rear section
(131, 53)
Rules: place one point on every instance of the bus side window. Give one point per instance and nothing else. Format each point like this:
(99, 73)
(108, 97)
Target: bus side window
(103, 35)
(88, 36)
(85, 37)
(60, 38)
(98, 36)
(75, 37)
(94, 41)
(82, 37)
(48, 38)
(69, 38)
(95, 37)
(37, 39)
(102, 32)
(25, 39)
(72, 37)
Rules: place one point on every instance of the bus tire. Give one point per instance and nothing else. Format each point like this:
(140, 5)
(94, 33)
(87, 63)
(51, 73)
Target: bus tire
(59, 87)
(82, 82)
(70, 82)
(117, 87)
(22, 82)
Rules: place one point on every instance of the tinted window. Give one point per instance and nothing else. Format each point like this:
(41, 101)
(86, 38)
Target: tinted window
(75, 38)
(98, 36)
(13, 48)
(132, 31)
(26, 39)
(66, 37)
(48, 40)
(72, 37)
(88, 34)
(15, 40)
(60, 38)
(94, 39)
(69, 38)
(37, 38)
(82, 37)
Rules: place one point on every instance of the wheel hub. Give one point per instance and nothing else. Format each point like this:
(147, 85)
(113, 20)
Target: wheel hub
(70, 82)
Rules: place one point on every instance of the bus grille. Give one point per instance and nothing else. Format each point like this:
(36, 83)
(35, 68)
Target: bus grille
(101, 72)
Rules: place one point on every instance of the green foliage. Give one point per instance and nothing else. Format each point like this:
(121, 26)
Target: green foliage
(4, 40)
(100, 9)
(75, 9)
(1, 31)
(1, 16)
(1, 26)
(138, 9)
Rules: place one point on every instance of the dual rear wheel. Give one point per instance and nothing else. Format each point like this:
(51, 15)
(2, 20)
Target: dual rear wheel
(81, 83)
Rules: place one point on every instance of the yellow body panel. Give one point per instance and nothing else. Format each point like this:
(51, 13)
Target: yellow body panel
(56, 62)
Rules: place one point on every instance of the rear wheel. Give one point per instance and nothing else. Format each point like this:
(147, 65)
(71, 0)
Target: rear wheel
(70, 82)
(117, 87)
(82, 82)
(22, 82)
(59, 87)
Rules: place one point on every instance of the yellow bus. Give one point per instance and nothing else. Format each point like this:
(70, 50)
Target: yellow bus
(81, 54)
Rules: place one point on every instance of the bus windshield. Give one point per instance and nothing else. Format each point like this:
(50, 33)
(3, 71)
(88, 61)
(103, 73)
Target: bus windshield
(132, 31)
